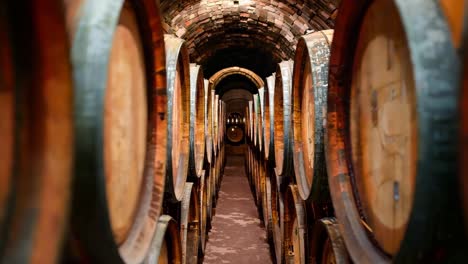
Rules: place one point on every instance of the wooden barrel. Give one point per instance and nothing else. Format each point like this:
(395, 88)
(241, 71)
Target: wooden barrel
(211, 193)
(454, 12)
(397, 100)
(267, 213)
(178, 100)
(166, 246)
(207, 197)
(261, 120)
(247, 123)
(208, 122)
(309, 103)
(36, 131)
(221, 124)
(120, 102)
(256, 120)
(214, 121)
(259, 185)
(295, 226)
(251, 121)
(189, 225)
(203, 213)
(268, 123)
(283, 118)
(197, 121)
(235, 134)
(277, 216)
(327, 244)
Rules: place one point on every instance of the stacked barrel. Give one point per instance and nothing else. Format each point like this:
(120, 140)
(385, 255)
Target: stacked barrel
(112, 150)
(352, 151)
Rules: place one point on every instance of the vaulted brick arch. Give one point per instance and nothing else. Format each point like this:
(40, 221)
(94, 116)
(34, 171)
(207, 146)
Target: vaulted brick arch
(224, 73)
(255, 34)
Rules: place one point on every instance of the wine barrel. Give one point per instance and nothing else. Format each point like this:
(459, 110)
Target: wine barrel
(267, 213)
(203, 213)
(207, 197)
(295, 226)
(251, 121)
(214, 121)
(259, 185)
(197, 121)
(261, 120)
(166, 246)
(211, 192)
(208, 121)
(178, 133)
(256, 120)
(454, 12)
(221, 124)
(393, 90)
(309, 103)
(277, 216)
(268, 124)
(283, 119)
(36, 131)
(189, 225)
(235, 134)
(119, 77)
(327, 245)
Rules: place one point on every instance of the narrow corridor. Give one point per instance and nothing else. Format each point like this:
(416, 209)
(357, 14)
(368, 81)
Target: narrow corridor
(237, 235)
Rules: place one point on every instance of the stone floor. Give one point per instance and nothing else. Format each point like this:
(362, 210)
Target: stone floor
(237, 236)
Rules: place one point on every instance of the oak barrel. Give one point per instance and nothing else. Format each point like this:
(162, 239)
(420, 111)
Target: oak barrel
(283, 119)
(120, 101)
(202, 186)
(309, 103)
(208, 128)
(277, 216)
(327, 244)
(251, 121)
(295, 227)
(178, 115)
(166, 246)
(267, 213)
(197, 121)
(189, 225)
(391, 113)
(268, 125)
(36, 131)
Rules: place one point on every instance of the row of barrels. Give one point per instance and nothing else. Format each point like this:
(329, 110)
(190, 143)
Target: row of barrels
(353, 153)
(111, 150)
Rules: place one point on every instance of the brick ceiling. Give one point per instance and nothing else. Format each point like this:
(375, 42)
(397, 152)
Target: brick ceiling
(255, 34)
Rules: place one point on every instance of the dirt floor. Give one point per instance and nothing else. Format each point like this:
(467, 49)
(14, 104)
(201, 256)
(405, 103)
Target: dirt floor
(237, 235)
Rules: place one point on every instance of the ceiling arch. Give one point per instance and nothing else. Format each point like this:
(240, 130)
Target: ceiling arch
(267, 30)
(224, 73)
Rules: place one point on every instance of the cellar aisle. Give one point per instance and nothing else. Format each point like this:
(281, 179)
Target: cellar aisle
(237, 235)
